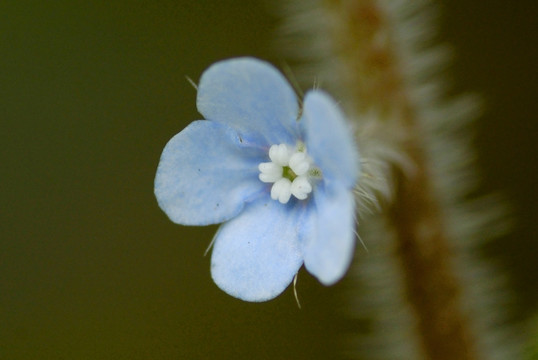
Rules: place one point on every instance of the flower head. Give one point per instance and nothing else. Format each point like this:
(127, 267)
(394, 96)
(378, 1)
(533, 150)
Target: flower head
(280, 183)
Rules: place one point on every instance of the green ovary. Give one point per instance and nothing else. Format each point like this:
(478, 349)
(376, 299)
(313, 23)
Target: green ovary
(288, 173)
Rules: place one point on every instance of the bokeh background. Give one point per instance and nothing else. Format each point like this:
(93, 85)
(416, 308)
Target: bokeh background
(91, 91)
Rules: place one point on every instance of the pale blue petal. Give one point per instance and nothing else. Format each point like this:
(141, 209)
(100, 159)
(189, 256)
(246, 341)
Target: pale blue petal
(252, 97)
(256, 255)
(206, 174)
(329, 139)
(328, 241)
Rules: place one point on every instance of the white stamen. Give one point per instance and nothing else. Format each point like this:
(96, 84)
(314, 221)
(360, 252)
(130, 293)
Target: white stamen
(289, 171)
(269, 172)
(281, 190)
(280, 154)
(299, 163)
(300, 187)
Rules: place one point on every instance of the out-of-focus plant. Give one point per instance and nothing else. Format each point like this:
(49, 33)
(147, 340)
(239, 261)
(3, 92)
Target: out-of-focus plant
(422, 288)
(532, 346)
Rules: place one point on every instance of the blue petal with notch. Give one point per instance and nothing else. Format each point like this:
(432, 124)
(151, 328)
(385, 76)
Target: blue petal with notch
(328, 241)
(257, 254)
(205, 175)
(252, 97)
(329, 139)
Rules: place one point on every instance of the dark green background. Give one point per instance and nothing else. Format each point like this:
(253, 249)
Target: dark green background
(90, 92)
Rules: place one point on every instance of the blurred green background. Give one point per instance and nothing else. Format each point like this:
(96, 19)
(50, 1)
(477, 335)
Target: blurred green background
(90, 92)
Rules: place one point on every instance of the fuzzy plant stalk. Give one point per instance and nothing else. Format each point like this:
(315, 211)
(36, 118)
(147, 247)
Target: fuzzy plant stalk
(421, 288)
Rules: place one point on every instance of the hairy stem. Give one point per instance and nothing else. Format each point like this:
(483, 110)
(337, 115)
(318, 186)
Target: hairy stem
(432, 288)
(364, 42)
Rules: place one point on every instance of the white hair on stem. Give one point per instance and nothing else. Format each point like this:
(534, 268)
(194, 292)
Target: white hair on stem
(319, 38)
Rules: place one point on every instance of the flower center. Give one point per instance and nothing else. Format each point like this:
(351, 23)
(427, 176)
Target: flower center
(290, 171)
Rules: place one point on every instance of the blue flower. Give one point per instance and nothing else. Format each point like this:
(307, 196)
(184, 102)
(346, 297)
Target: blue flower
(278, 177)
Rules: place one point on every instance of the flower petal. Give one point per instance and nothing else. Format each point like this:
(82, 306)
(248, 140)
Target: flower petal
(256, 254)
(329, 239)
(252, 97)
(205, 175)
(328, 138)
